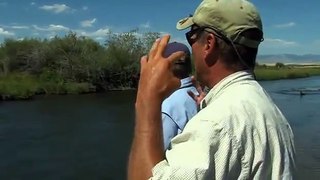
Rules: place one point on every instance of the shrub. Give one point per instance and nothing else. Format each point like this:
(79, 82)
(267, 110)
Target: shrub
(18, 86)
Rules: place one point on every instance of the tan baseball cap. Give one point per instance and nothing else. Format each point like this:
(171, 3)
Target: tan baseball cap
(229, 17)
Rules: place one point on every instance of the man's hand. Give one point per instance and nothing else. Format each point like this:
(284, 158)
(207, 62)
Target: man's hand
(198, 98)
(156, 77)
(156, 83)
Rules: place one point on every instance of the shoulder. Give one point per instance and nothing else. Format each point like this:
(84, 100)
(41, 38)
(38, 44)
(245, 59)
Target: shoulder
(238, 108)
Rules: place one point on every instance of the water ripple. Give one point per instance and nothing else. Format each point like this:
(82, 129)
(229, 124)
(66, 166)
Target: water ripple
(301, 91)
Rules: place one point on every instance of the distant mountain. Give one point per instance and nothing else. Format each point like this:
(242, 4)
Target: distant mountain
(289, 58)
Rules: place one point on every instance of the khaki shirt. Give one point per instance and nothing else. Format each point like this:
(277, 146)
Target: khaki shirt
(240, 134)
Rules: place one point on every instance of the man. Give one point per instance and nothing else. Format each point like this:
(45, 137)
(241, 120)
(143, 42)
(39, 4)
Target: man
(179, 107)
(239, 133)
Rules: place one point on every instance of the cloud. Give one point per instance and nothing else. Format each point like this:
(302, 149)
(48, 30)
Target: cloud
(52, 27)
(99, 38)
(5, 33)
(146, 25)
(162, 33)
(56, 8)
(14, 26)
(32, 3)
(88, 23)
(20, 39)
(85, 8)
(19, 27)
(268, 42)
(99, 34)
(285, 25)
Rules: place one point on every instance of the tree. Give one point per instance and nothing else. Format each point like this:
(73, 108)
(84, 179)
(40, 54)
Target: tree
(123, 53)
(79, 59)
(279, 65)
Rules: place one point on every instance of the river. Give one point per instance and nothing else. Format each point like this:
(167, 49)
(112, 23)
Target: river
(89, 136)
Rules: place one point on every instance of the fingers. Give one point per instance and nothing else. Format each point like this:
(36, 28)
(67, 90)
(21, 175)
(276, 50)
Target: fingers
(154, 49)
(158, 47)
(163, 44)
(197, 85)
(195, 82)
(175, 56)
(143, 61)
(192, 95)
(199, 89)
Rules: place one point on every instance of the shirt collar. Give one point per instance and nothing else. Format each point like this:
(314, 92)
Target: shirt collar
(186, 82)
(224, 83)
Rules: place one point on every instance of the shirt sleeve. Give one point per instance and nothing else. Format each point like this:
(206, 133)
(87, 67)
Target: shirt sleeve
(204, 151)
(170, 129)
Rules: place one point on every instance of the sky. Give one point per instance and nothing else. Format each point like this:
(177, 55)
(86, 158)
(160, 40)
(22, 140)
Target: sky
(290, 26)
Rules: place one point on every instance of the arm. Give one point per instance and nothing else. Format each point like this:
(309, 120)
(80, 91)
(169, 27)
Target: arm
(147, 148)
(156, 83)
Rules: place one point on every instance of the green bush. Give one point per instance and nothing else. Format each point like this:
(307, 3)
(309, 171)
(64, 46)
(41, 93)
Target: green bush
(76, 64)
(18, 86)
(273, 73)
(79, 88)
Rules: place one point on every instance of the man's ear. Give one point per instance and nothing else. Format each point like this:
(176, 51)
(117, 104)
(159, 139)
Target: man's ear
(211, 53)
(210, 42)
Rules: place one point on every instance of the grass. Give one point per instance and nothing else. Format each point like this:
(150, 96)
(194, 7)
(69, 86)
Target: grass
(79, 88)
(25, 86)
(273, 73)
(19, 86)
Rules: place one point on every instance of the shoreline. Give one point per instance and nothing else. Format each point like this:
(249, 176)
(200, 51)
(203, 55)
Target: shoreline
(33, 95)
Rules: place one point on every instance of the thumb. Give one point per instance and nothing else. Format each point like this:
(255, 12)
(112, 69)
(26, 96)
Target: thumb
(192, 95)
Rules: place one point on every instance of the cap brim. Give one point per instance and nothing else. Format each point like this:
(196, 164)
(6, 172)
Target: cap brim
(185, 23)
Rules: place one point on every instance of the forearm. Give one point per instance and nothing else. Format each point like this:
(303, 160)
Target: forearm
(147, 146)
(155, 84)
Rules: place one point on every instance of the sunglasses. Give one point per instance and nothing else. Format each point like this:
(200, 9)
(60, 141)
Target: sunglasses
(193, 35)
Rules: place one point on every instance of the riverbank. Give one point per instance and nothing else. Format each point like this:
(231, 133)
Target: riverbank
(267, 73)
(23, 86)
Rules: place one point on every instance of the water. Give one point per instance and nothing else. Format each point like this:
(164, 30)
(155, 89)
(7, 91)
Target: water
(303, 113)
(89, 136)
(66, 137)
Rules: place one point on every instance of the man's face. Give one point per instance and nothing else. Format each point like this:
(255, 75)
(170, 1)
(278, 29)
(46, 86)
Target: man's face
(193, 37)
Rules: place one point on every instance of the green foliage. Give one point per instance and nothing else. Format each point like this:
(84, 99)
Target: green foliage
(73, 58)
(72, 64)
(78, 88)
(279, 65)
(18, 86)
(22, 56)
(274, 73)
(260, 65)
(76, 64)
(123, 53)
